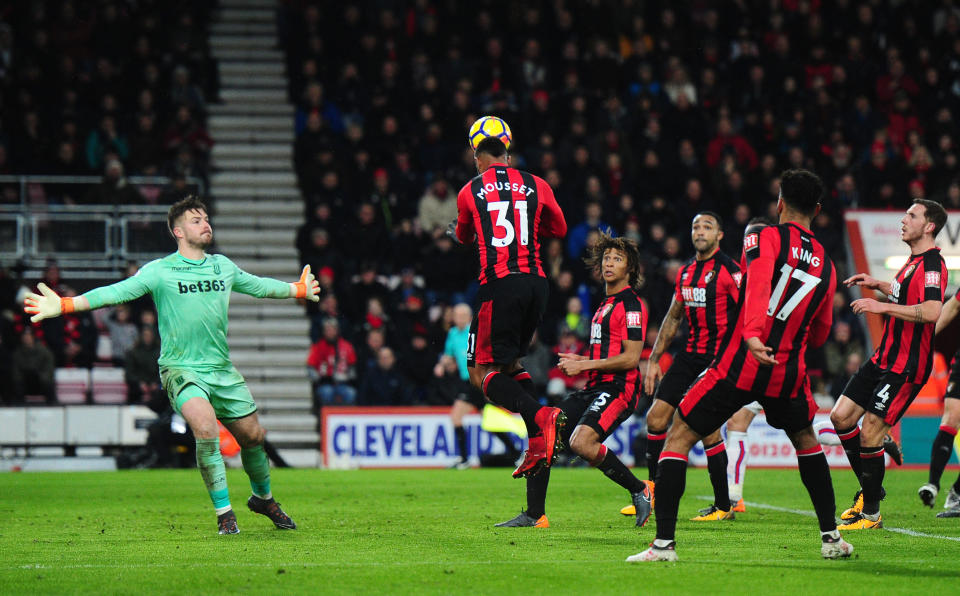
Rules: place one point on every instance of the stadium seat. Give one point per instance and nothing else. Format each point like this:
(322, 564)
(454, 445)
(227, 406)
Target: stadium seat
(109, 386)
(73, 384)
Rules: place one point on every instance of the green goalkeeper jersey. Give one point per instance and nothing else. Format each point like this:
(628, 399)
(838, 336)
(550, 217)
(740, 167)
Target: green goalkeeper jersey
(192, 298)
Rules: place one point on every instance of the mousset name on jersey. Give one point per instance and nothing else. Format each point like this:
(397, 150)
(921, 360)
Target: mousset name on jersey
(202, 286)
(511, 186)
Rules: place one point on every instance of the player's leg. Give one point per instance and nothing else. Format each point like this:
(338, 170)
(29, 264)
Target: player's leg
(872, 469)
(658, 421)
(845, 415)
(250, 434)
(535, 515)
(815, 474)
(458, 410)
(942, 448)
(717, 469)
(606, 412)
(193, 405)
(738, 452)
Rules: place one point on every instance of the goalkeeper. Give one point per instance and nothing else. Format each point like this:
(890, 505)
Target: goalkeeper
(191, 290)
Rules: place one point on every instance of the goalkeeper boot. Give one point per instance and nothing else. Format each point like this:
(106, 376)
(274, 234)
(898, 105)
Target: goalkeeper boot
(712, 513)
(953, 499)
(928, 494)
(835, 548)
(534, 458)
(893, 450)
(740, 507)
(227, 523)
(643, 504)
(551, 422)
(654, 553)
(863, 521)
(271, 509)
(525, 521)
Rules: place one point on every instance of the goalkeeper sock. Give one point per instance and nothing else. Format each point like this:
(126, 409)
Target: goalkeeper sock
(257, 467)
(214, 473)
(717, 468)
(940, 453)
(738, 449)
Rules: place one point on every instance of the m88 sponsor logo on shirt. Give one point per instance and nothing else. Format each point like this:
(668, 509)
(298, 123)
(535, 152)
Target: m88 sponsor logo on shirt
(202, 286)
(696, 297)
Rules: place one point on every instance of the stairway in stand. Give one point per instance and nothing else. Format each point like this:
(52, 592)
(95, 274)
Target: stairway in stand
(258, 209)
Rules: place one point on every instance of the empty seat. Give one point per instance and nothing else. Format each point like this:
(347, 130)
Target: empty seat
(72, 385)
(109, 386)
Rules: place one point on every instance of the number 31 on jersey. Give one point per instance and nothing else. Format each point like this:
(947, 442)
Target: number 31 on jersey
(502, 208)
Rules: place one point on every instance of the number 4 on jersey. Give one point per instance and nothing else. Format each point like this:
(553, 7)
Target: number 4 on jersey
(502, 207)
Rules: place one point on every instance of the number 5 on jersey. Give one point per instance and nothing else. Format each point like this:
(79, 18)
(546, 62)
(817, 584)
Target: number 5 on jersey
(502, 207)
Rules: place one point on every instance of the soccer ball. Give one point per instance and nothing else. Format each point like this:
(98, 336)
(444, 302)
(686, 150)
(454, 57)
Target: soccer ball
(490, 126)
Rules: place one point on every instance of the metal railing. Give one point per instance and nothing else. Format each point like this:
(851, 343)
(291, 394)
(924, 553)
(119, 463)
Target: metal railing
(88, 241)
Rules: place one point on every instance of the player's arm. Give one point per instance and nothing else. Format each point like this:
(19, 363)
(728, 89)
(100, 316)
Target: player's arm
(760, 261)
(668, 331)
(926, 312)
(264, 287)
(628, 359)
(870, 283)
(948, 313)
(823, 319)
(552, 222)
(465, 231)
(48, 304)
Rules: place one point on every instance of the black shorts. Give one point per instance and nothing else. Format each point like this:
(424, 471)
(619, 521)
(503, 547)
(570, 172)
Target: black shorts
(682, 373)
(712, 400)
(602, 408)
(885, 394)
(473, 396)
(511, 309)
(953, 383)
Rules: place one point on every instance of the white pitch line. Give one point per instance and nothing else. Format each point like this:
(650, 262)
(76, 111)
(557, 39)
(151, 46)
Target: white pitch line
(906, 531)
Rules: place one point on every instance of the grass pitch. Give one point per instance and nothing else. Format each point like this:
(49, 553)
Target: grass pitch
(430, 531)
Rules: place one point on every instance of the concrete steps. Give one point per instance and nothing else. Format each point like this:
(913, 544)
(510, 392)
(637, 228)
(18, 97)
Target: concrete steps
(298, 326)
(246, 112)
(270, 342)
(276, 389)
(239, 237)
(253, 150)
(251, 180)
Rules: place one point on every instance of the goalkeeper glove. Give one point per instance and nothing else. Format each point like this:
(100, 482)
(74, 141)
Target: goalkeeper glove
(451, 231)
(46, 305)
(307, 287)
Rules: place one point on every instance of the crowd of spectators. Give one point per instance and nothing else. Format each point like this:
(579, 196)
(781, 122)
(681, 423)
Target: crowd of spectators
(638, 114)
(108, 88)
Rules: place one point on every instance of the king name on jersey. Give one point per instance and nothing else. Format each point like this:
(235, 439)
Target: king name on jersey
(802, 254)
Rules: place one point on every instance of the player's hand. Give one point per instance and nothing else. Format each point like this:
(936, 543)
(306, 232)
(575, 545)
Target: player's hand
(45, 305)
(763, 354)
(307, 286)
(864, 305)
(863, 280)
(451, 231)
(571, 367)
(654, 374)
(570, 356)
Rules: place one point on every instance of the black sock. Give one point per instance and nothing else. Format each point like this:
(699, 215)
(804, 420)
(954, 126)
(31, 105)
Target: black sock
(461, 435)
(526, 381)
(940, 453)
(815, 473)
(655, 440)
(717, 467)
(671, 481)
(507, 443)
(872, 468)
(956, 484)
(505, 391)
(537, 493)
(619, 473)
(850, 438)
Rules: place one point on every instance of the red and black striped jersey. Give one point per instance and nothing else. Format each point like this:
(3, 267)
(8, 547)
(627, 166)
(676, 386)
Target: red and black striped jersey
(787, 302)
(907, 347)
(709, 291)
(620, 317)
(508, 211)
